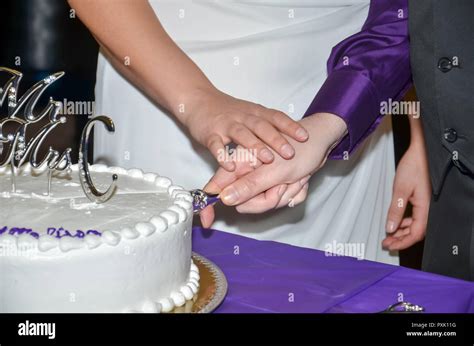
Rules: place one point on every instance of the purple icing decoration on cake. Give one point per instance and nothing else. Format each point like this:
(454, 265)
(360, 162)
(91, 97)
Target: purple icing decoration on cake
(52, 231)
(91, 231)
(61, 232)
(17, 230)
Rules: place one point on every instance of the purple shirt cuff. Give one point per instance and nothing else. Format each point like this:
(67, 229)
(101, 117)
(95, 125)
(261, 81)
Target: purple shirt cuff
(360, 99)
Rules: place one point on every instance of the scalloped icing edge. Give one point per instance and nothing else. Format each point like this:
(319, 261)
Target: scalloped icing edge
(176, 299)
(180, 210)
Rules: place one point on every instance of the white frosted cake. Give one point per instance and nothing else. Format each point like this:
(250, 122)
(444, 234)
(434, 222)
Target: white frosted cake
(63, 253)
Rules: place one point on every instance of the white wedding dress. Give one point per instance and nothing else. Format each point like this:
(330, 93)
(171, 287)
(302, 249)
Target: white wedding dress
(271, 52)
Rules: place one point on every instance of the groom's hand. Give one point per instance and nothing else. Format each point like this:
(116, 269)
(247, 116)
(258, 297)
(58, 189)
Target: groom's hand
(283, 182)
(275, 197)
(324, 129)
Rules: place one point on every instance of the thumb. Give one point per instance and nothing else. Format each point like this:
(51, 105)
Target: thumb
(247, 187)
(398, 205)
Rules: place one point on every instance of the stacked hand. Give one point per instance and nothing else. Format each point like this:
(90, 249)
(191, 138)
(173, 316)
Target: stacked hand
(255, 188)
(217, 119)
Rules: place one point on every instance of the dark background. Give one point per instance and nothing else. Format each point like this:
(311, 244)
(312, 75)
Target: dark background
(47, 38)
(39, 38)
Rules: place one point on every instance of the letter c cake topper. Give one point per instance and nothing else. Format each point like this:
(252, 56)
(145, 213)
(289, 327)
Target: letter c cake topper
(84, 175)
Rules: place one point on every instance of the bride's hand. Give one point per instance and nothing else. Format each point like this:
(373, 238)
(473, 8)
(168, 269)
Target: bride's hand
(256, 189)
(170, 78)
(216, 119)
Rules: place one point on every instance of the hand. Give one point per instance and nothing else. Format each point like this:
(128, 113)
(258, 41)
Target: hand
(273, 198)
(411, 184)
(220, 119)
(159, 68)
(255, 189)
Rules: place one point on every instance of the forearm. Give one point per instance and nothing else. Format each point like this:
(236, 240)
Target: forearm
(138, 46)
(416, 131)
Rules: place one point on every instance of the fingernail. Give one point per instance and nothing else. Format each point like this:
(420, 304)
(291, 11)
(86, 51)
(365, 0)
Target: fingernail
(302, 133)
(390, 227)
(266, 155)
(282, 190)
(304, 180)
(229, 196)
(306, 186)
(287, 150)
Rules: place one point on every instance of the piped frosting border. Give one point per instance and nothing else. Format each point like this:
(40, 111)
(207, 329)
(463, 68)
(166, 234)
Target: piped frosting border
(176, 299)
(179, 211)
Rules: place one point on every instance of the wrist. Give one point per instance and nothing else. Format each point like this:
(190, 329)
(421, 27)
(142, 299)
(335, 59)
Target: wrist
(417, 141)
(327, 127)
(417, 138)
(193, 103)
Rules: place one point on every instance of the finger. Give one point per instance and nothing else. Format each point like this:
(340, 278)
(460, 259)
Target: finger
(250, 185)
(401, 230)
(263, 202)
(387, 242)
(285, 124)
(245, 160)
(218, 150)
(397, 206)
(220, 180)
(404, 242)
(301, 196)
(207, 216)
(401, 233)
(417, 227)
(406, 222)
(244, 136)
(271, 136)
(420, 213)
(393, 237)
(295, 194)
(222, 177)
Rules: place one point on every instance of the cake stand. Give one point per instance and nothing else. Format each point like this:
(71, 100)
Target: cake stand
(212, 290)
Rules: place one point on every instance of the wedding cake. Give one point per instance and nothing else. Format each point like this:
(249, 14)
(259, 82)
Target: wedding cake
(62, 253)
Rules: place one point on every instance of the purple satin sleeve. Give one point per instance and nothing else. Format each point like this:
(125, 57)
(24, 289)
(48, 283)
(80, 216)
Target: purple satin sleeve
(366, 69)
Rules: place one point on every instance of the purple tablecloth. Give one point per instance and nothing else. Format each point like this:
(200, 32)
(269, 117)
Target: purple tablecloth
(267, 276)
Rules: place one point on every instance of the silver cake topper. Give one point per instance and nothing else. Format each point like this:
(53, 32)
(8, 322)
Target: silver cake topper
(19, 148)
(84, 175)
(22, 114)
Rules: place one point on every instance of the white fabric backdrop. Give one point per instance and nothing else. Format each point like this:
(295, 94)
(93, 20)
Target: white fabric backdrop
(271, 52)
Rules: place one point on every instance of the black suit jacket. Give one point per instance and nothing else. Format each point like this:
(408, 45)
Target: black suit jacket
(442, 59)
